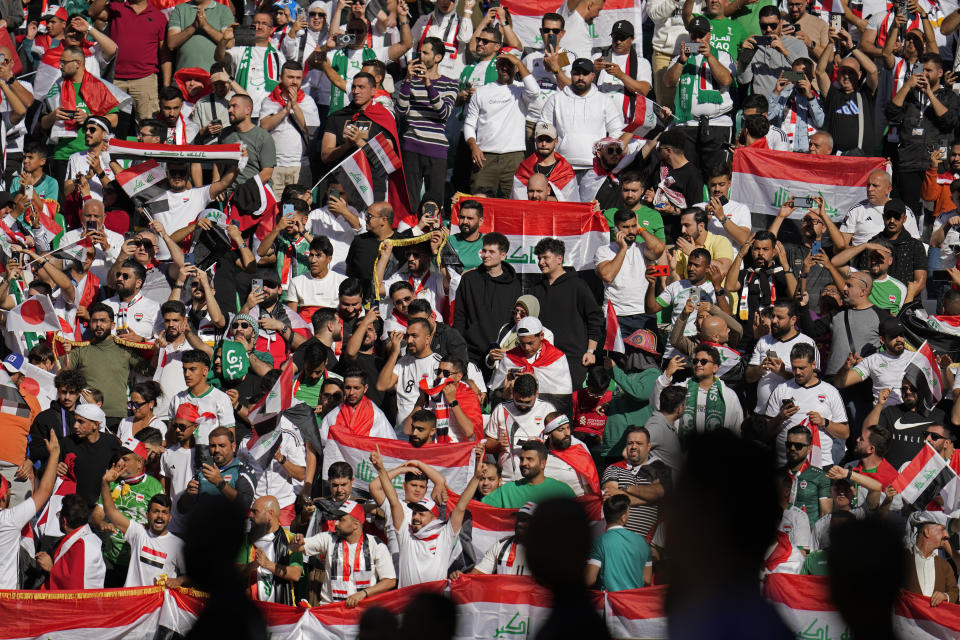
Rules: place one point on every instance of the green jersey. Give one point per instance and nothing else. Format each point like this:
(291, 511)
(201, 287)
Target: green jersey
(514, 495)
(888, 293)
(815, 564)
(809, 486)
(131, 499)
(748, 17)
(726, 35)
(649, 219)
(468, 252)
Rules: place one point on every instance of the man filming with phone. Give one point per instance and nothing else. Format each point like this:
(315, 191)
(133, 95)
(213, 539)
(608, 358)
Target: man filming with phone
(765, 56)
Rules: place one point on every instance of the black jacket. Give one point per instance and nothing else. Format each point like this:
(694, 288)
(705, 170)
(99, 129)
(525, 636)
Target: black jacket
(52, 418)
(568, 308)
(920, 127)
(483, 305)
(448, 342)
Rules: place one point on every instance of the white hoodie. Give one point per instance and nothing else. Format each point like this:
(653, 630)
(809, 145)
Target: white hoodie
(580, 122)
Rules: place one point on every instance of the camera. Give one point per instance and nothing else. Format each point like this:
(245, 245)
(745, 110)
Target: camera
(763, 41)
(346, 39)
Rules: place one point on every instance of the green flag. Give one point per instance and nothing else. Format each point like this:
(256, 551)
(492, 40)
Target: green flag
(234, 361)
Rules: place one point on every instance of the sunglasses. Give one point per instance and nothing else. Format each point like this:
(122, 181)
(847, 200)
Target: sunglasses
(180, 426)
(796, 445)
(484, 41)
(177, 174)
(544, 30)
(90, 129)
(317, 14)
(769, 26)
(935, 437)
(135, 405)
(702, 361)
(444, 372)
(124, 276)
(240, 325)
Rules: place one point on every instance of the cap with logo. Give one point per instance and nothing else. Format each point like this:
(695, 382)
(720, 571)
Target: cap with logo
(134, 446)
(583, 65)
(698, 27)
(529, 326)
(352, 508)
(545, 129)
(13, 362)
(623, 28)
(426, 504)
(56, 11)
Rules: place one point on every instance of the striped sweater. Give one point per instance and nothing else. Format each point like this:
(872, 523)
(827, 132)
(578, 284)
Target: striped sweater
(426, 110)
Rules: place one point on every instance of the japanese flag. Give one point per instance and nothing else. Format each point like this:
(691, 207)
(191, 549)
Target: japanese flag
(34, 314)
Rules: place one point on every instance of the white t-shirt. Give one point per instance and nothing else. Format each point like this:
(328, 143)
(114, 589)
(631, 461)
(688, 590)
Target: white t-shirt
(429, 287)
(796, 524)
(152, 555)
(102, 260)
(291, 150)
(169, 375)
(425, 560)
(79, 163)
(769, 380)
(15, 132)
(141, 315)
(560, 470)
(613, 87)
(410, 371)
(275, 480)
(125, 430)
(677, 292)
(948, 257)
(866, 220)
(822, 398)
(577, 39)
(629, 286)
(176, 465)
(11, 522)
(308, 291)
(256, 77)
(389, 529)
(886, 370)
(546, 79)
(214, 402)
(184, 207)
(519, 427)
(738, 213)
(489, 564)
(382, 564)
(338, 231)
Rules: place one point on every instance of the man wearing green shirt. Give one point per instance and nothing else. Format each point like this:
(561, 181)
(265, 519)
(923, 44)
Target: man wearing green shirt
(631, 192)
(810, 490)
(469, 241)
(131, 493)
(312, 374)
(619, 557)
(727, 35)
(194, 30)
(746, 14)
(534, 486)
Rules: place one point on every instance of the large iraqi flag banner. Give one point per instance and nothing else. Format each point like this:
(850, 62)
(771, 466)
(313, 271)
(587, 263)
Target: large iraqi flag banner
(580, 225)
(527, 15)
(454, 461)
(637, 613)
(764, 179)
(494, 606)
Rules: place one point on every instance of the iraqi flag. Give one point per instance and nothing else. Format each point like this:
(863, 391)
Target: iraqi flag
(527, 16)
(144, 181)
(364, 174)
(562, 180)
(764, 179)
(580, 225)
(924, 478)
(261, 448)
(129, 150)
(114, 614)
(646, 121)
(34, 314)
(636, 613)
(181, 608)
(499, 606)
(923, 372)
(613, 341)
(949, 325)
(278, 399)
(453, 461)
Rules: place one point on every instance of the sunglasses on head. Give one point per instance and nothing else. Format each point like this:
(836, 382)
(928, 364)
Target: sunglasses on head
(796, 445)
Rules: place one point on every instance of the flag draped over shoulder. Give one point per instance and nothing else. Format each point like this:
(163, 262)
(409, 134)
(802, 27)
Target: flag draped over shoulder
(580, 225)
(765, 179)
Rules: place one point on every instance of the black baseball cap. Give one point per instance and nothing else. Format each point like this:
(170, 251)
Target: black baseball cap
(894, 209)
(622, 28)
(891, 328)
(698, 26)
(583, 65)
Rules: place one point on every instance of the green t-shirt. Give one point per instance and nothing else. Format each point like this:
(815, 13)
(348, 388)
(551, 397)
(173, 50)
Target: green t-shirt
(514, 495)
(310, 393)
(131, 500)
(47, 187)
(812, 484)
(649, 219)
(888, 294)
(726, 35)
(622, 556)
(198, 50)
(815, 564)
(748, 17)
(469, 252)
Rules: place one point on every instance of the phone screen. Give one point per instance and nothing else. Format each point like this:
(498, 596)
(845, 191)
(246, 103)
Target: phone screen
(287, 210)
(816, 247)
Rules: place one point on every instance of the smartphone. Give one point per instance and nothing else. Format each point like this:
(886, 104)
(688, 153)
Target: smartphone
(772, 355)
(244, 36)
(787, 402)
(513, 373)
(836, 21)
(346, 39)
(257, 284)
(695, 295)
(287, 210)
(902, 7)
(660, 270)
(430, 209)
(794, 76)
(215, 121)
(816, 247)
(90, 225)
(763, 41)
(335, 193)
(71, 113)
(796, 27)
(804, 202)
(188, 257)
(691, 48)
(550, 42)
(28, 191)
(944, 150)
(723, 200)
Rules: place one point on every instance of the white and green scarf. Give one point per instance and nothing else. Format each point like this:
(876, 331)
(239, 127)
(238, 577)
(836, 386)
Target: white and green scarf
(271, 68)
(695, 88)
(340, 62)
(714, 412)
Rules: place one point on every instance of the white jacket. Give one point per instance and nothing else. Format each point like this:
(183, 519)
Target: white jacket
(580, 122)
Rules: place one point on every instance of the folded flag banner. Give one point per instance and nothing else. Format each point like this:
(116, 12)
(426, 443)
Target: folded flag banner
(528, 14)
(924, 478)
(764, 179)
(170, 152)
(923, 372)
(637, 613)
(496, 606)
(580, 225)
(453, 461)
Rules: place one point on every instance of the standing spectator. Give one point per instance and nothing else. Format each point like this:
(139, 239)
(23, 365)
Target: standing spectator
(885, 368)
(544, 66)
(760, 65)
(179, 461)
(668, 27)
(849, 104)
(806, 27)
(13, 517)
(257, 67)
(866, 219)
(486, 296)
(58, 417)
(507, 556)
(887, 292)
(796, 107)
(261, 150)
(340, 223)
(267, 557)
(282, 476)
(140, 30)
(810, 488)
(942, 171)
(580, 16)
(77, 563)
(623, 75)
(194, 30)
(697, 284)
(224, 475)
(618, 559)
(468, 243)
(581, 115)
(211, 403)
(679, 183)
(642, 479)
(91, 451)
(494, 126)
(357, 413)
(454, 31)
(569, 308)
(561, 179)
(292, 120)
(404, 373)
(925, 112)
(92, 162)
(703, 102)
(533, 485)
(319, 288)
(926, 572)
(519, 418)
(425, 100)
(137, 316)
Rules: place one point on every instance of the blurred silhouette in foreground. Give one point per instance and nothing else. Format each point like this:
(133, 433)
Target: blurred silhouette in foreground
(429, 616)
(212, 542)
(866, 561)
(377, 623)
(558, 542)
(722, 519)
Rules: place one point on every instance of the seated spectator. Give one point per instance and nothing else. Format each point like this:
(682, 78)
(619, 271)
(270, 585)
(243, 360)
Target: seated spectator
(926, 572)
(534, 355)
(569, 459)
(642, 479)
(516, 420)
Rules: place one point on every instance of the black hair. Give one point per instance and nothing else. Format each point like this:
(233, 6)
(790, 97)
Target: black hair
(169, 92)
(70, 379)
(321, 244)
(525, 385)
(550, 245)
(99, 307)
(195, 355)
(173, 306)
(496, 239)
(340, 469)
(149, 390)
(350, 287)
(75, 510)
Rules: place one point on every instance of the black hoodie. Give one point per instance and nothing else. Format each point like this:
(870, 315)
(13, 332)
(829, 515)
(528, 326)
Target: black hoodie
(483, 305)
(568, 308)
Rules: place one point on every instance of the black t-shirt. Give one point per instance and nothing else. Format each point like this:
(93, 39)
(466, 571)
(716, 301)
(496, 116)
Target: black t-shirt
(337, 122)
(842, 119)
(361, 257)
(907, 428)
(91, 462)
(689, 182)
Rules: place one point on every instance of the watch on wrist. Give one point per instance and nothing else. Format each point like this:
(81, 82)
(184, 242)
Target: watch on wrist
(455, 403)
(221, 484)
